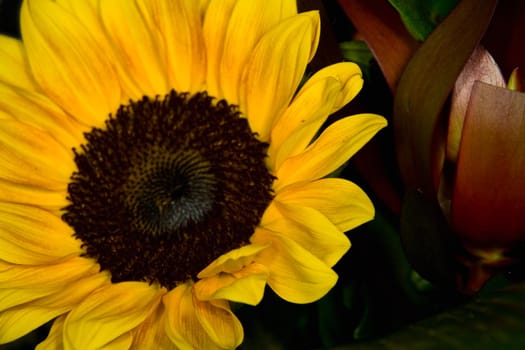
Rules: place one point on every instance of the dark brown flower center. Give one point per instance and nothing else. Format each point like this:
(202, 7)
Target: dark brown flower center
(169, 185)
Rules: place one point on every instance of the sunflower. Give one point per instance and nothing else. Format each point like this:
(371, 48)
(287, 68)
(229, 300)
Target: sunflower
(159, 161)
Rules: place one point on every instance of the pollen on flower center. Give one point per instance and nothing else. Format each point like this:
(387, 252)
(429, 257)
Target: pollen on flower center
(169, 185)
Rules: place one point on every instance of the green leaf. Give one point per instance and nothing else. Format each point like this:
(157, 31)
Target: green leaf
(421, 17)
(495, 321)
(427, 239)
(358, 52)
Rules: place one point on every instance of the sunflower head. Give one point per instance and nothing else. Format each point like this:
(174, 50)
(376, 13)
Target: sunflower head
(161, 161)
(166, 187)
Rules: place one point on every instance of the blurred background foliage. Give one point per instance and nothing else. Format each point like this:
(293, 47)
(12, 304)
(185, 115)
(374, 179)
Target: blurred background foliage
(420, 275)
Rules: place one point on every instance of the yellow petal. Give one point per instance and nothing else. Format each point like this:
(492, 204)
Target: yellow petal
(203, 6)
(231, 31)
(341, 201)
(274, 70)
(29, 235)
(123, 342)
(108, 313)
(180, 25)
(36, 110)
(5, 116)
(335, 146)
(324, 93)
(296, 275)
(14, 69)
(219, 322)
(87, 13)
(194, 324)
(13, 297)
(135, 46)
(232, 261)
(182, 325)
(214, 29)
(151, 334)
(68, 63)
(17, 322)
(301, 121)
(21, 319)
(249, 20)
(54, 338)
(244, 286)
(32, 157)
(39, 197)
(348, 74)
(309, 228)
(52, 276)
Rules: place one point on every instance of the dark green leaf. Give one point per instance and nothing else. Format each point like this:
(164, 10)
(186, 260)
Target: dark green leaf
(358, 52)
(427, 239)
(421, 17)
(491, 322)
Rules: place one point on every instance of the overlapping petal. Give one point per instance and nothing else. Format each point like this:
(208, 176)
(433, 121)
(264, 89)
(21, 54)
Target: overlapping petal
(296, 275)
(214, 29)
(348, 74)
(68, 62)
(30, 235)
(36, 110)
(108, 313)
(233, 276)
(55, 340)
(19, 320)
(325, 92)
(249, 21)
(87, 13)
(309, 228)
(301, 120)
(180, 28)
(275, 68)
(40, 197)
(151, 333)
(232, 261)
(344, 203)
(335, 146)
(54, 337)
(52, 276)
(219, 323)
(194, 324)
(14, 69)
(135, 47)
(244, 286)
(231, 31)
(12, 297)
(22, 284)
(33, 157)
